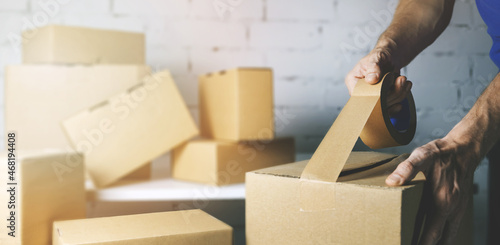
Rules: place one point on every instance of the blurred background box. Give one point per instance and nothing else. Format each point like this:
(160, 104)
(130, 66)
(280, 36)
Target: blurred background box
(219, 162)
(58, 44)
(123, 133)
(179, 227)
(39, 97)
(237, 104)
(50, 187)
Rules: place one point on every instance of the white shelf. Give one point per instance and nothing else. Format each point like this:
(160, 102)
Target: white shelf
(165, 189)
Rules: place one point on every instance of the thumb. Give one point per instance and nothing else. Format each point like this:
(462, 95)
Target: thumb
(408, 169)
(372, 73)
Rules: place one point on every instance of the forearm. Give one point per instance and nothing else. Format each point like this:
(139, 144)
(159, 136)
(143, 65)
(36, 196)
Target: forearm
(480, 128)
(415, 25)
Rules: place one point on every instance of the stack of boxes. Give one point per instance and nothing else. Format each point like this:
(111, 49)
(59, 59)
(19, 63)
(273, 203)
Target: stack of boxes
(85, 102)
(237, 123)
(65, 70)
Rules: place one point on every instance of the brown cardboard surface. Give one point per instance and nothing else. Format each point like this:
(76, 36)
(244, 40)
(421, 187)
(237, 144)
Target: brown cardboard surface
(366, 210)
(79, 45)
(219, 162)
(180, 228)
(39, 97)
(237, 104)
(50, 187)
(142, 173)
(124, 132)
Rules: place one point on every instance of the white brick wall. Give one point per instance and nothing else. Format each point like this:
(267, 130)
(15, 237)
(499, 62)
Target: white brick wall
(72, 6)
(9, 5)
(280, 35)
(294, 10)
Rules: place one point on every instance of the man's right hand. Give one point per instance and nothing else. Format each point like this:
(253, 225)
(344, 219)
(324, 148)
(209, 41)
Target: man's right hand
(371, 68)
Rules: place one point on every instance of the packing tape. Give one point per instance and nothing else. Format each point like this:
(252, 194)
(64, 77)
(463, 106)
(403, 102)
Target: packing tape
(366, 116)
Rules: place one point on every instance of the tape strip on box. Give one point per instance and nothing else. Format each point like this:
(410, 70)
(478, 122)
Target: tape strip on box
(365, 115)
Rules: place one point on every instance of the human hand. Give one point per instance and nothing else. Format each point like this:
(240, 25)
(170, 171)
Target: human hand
(372, 67)
(448, 165)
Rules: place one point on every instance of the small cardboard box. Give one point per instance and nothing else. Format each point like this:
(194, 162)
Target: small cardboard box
(219, 162)
(179, 228)
(237, 104)
(57, 44)
(130, 129)
(359, 208)
(39, 97)
(49, 187)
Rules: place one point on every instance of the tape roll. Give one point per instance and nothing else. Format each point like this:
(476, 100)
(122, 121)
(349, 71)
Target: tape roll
(366, 116)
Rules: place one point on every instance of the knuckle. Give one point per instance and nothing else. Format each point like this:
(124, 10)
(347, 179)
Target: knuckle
(406, 167)
(435, 235)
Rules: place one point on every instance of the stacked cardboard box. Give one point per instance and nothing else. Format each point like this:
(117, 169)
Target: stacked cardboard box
(43, 187)
(120, 134)
(91, 87)
(65, 70)
(237, 123)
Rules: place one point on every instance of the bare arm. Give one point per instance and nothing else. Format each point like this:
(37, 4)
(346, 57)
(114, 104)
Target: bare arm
(416, 24)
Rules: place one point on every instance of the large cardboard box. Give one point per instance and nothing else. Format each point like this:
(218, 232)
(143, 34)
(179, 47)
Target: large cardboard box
(39, 97)
(237, 104)
(121, 134)
(359, 208)
(181, 228)
(220, 162)
(48, 187)
(57, 44)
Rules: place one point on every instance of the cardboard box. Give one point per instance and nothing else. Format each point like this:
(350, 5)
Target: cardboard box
(122, 133)
(357, 209)
(78, 45)
(219, 162)
(50, 186)
(237, 104)
(180, 228)
(39, 97)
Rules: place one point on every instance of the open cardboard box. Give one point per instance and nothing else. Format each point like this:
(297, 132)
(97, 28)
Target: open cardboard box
(359, 208)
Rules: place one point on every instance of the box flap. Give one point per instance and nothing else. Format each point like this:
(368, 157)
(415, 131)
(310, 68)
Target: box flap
(357, 160)
(362, 168)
